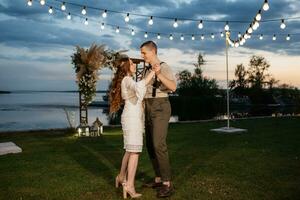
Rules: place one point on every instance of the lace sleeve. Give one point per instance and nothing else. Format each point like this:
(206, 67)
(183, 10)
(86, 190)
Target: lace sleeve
(139, 87)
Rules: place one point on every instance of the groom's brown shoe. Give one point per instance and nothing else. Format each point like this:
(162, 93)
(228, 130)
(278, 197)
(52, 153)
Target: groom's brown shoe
(165, 191)
(152, 184)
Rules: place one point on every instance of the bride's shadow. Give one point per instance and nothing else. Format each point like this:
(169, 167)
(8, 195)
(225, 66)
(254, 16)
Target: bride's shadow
(101, 156)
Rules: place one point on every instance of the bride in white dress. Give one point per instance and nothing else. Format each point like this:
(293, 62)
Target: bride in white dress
(124, 88)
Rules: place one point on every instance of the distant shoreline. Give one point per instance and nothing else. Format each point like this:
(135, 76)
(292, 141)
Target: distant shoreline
(33, 91)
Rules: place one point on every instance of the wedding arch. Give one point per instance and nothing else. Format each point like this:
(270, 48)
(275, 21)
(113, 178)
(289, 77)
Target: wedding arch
(87, 63)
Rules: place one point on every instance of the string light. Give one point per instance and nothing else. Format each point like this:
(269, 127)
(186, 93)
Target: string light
(200, 25)
(145, 35)
(83, 11)
(266, 5)
(118, 30)
(127, 18)
(132, 32)
(255, 25)
(258, 16)
(226, 27)
(104, 14)
(175, 24)
(240, 41)
(63, 6)
(86, 22)
(158, 36)
(50, 10)
(150, 22)
(102, 26)
(29, 2)
(282, 25)
(250, 30)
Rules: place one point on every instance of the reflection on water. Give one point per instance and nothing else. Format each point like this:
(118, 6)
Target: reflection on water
(44, 110)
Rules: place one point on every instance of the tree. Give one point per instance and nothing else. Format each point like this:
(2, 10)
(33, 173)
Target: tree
(240, 84)
(196, 84)
(257, 72)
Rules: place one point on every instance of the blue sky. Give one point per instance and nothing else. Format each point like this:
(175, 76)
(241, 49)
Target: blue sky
(35, 47)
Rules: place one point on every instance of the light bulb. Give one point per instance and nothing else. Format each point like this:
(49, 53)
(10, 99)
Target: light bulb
(226, 27)
(250, 30)
(266, 5)
(29, 2)
(236, 44)
(239, 35)
(158, 36)
(175, 25)
(102, 26)
(200, 25)
(274, 37)
(83, 11)
(42, 2)
(282, 25)
(193, 37)
(69, 16)
(171, 37)
(118, 30)
(146, 35)
(132, 32)
(202, 37)
(127, 18)
(212, 36)
(222, 34)
(255, 25)
(150, 22)
(50, 10)
(181, 37)
(63, 6)
(104, 14)
(261, 37)
(288, 37)
(86, 22)
(258, 16)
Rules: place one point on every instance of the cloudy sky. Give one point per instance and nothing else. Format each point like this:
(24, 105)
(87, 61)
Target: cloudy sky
(35, 46)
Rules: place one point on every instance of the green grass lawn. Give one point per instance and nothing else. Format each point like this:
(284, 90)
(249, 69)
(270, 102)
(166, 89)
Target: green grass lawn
(263, 163)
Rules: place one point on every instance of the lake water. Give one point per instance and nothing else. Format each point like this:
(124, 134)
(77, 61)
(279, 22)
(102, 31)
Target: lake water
(43, 110)
(46, 110)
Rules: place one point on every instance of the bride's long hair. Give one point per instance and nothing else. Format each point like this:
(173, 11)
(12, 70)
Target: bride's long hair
(115, 98)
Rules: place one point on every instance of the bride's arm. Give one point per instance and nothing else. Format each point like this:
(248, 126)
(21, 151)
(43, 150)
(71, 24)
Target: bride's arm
(149, 77)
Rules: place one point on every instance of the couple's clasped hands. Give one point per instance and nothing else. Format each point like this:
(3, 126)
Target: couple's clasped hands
(156, 68)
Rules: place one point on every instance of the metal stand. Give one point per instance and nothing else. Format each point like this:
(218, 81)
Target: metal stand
(228, 129)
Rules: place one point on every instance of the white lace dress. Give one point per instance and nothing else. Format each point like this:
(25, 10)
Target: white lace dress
(132, 118)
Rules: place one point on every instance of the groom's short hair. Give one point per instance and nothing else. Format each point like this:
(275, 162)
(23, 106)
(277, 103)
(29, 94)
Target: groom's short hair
(150, 44)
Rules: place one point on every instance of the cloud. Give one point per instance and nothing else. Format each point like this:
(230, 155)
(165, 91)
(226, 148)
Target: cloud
(39, 45)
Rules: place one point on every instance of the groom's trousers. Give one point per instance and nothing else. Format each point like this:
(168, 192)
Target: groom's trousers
(157, 116)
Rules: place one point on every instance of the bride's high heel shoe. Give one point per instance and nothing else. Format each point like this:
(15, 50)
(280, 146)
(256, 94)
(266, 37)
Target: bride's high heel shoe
(133, 195)
(118, 182)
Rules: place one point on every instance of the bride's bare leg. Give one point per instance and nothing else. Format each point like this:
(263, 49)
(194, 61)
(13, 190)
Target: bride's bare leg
(123, 171)
(132, 166)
